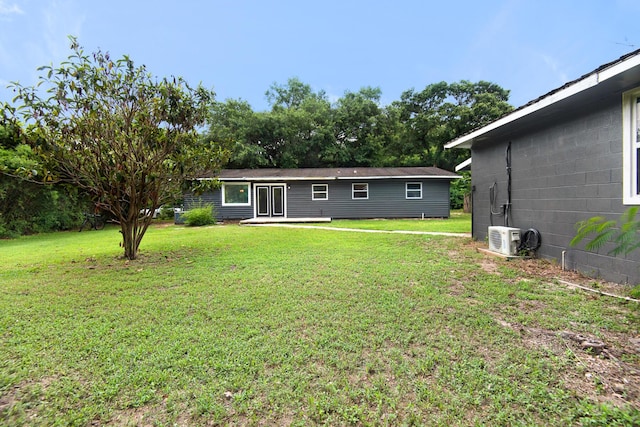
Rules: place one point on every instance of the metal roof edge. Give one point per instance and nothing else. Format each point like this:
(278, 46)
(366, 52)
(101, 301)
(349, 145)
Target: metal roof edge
(465, 140)
(280, 178)
(398, 177)
(331, 178)
(585, 82)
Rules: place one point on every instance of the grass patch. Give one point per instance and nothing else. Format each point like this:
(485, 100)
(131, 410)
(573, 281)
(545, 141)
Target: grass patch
(458, 222)
(251, 326)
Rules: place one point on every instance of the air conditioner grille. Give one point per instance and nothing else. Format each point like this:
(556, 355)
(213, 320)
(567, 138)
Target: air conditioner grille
(495, 240)
(504, 240)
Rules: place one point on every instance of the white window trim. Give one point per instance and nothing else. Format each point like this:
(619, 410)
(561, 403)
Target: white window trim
(228, 184)
(325, 191)
(406, 190)
(353, 190)
(630, 144)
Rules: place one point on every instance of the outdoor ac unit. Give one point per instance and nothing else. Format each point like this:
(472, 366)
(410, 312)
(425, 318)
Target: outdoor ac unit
(504, 240)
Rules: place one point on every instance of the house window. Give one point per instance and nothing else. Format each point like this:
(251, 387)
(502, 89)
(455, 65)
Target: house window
(235, 194)
(413, 190)
(359, 191)
(631, 147)
(319, 192)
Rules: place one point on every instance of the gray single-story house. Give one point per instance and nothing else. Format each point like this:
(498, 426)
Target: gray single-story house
(325, 193)
(564, 157)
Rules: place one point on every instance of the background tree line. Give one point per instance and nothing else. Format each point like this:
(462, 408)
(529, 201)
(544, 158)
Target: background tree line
(303, 128)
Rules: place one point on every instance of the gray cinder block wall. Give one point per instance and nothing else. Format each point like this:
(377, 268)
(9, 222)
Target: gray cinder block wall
(560, 175)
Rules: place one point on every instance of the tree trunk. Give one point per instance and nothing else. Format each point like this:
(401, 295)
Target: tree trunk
(132, 234)
(129, 240)
(466, 205)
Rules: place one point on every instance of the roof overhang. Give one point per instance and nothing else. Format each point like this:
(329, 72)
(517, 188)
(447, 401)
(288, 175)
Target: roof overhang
(615, 77)
(463, 165)
(330, 174)
(326, 178)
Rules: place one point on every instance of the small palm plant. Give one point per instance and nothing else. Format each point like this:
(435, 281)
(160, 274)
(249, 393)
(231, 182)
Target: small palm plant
(624, 234)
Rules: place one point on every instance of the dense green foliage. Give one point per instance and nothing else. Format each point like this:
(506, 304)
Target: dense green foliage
(27, 205)
(304, 129)
(199, 216)
(459, 189)
(256, 326)
(624, 235)
(126, 138)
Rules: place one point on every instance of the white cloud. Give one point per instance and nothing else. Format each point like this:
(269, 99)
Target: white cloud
(9, 9)
(38, 36)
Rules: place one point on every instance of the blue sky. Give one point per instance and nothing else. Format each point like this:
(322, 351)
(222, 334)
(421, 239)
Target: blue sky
(241, 47)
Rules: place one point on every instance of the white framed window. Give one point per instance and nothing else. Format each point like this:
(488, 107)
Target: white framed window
(360, 191)
(320, 192)
(413, 190)
(631, 147)
(236, 194)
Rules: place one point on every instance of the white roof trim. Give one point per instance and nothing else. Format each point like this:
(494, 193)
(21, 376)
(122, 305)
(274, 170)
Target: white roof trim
(618, 68)
(465, 140)
(583, 84)
(279, 178)
(332, 178)
(463, 164)
(398, 177)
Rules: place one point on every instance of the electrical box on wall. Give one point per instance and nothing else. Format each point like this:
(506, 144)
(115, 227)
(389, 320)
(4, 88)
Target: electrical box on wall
(504, 240)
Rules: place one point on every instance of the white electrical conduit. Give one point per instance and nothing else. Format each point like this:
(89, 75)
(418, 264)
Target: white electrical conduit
(574, 285)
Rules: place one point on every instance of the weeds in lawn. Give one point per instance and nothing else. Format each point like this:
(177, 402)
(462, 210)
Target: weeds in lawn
(253, 326)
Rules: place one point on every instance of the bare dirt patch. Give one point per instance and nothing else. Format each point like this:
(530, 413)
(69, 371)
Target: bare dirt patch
(595, 367)
(488, 265)
(603, 368)
(148, 416)
(545, 269)
(28, 396)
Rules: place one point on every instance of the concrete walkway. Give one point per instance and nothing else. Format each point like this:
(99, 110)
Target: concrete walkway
(359, 230)
(272, 220)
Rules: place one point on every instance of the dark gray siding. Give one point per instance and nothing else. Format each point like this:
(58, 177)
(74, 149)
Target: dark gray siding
(215, 198)
(560, 175)
(386, 200)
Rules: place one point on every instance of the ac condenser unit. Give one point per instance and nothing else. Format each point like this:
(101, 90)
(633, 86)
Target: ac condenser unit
(504, 240)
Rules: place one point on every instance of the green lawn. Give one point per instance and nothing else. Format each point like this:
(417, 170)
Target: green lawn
(458, 222)
(231, 325)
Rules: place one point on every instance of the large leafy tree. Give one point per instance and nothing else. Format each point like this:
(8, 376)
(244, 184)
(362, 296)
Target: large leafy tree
(127, 139)
(440, 113)
(294, 133)
(235, 123)
(360, 128)
(297, 130)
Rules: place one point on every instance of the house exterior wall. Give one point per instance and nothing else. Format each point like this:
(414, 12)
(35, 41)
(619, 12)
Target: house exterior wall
(561, 174)
(215, 198)
(387, 199)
